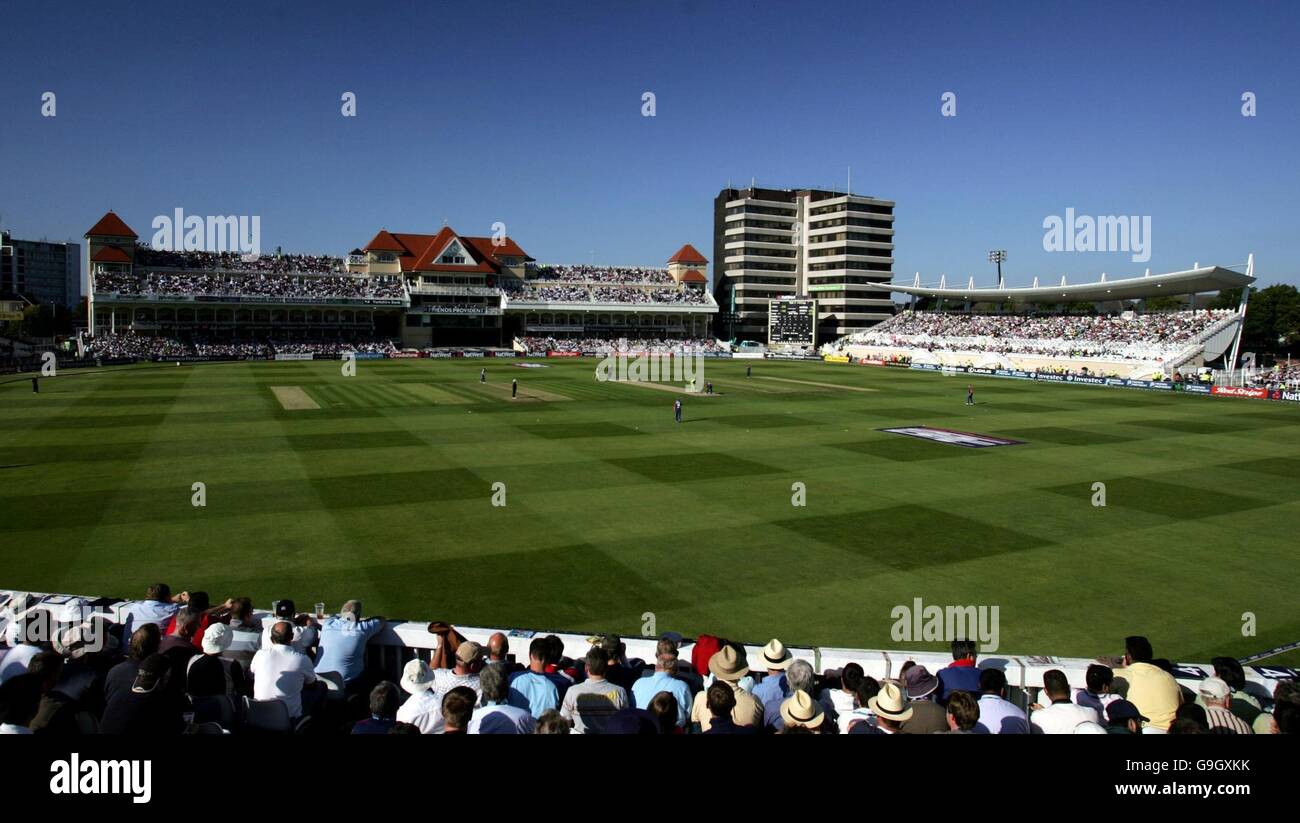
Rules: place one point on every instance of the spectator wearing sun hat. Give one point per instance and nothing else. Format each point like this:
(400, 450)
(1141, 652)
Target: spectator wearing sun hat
(891, 708)
(1216, 694)
(469, 662)
(775, 659)
(423, 709)
(212, 675)
(726, 666)
(928, 717)
(801, 710)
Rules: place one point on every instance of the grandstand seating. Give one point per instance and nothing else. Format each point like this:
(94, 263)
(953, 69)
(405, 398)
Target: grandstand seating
(542, 345)
(219, 284)
(1116, 343)
(141, 347)
(400, 642)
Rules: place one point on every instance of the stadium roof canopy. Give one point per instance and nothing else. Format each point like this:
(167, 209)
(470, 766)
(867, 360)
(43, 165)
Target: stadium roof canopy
(1191, 281)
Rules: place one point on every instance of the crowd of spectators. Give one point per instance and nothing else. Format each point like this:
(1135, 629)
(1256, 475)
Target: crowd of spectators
(278, 263)
(180, 664)
(299, 288)
(139, 347)
(604, 274)
(232, 349)
(1146, 337)
(136, 346)
(1280, 376)
(604, 345)
(582, 293)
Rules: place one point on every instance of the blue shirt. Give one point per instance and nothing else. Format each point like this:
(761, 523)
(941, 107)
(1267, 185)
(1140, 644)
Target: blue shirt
(645, 689)
(374, 725)
(771, 688)
(953, 678)
(343, 645)
(147, 611)
(532, 691)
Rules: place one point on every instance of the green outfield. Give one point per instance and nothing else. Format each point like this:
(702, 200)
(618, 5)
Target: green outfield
(380, 486)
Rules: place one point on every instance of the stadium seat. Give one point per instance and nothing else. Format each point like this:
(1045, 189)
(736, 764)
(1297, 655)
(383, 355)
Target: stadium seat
(268, 716)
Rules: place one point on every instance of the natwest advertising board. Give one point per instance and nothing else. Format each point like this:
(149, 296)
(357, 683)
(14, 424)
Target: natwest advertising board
(1240, 391)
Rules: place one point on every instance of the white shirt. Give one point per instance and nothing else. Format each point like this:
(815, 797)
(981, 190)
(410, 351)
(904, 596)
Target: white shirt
(147, 611)
(502, 718)
(842, 702)
(303, 638)
(1061, 718)
(16, 659)
(279, 673)
(444, 680)
(424, 711)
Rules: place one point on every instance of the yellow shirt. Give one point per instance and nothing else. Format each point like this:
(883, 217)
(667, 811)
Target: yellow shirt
(1154, 691)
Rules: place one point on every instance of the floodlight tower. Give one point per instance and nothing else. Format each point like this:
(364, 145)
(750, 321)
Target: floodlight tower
(998, 256)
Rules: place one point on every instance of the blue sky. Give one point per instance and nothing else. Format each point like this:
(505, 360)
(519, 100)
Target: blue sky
(529, 113)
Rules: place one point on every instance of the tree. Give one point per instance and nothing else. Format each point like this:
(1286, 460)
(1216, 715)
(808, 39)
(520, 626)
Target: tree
(1272, 318)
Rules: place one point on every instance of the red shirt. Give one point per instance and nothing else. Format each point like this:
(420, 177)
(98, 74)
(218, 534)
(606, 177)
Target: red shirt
(197, 640)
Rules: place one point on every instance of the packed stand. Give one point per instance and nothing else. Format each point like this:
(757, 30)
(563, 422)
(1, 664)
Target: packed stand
(570, 293)
(135, 346)
(1279, 376)
(604, 345)
(284, 286)
(1130, 337)
(236, 261)
(181, 664)
(624, 275)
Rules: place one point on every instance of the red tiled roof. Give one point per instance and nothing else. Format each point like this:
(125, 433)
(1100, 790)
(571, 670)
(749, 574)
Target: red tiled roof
(694, 276)
(110, 225)
(384, 242)
(111, 254)
(508, 248)
(418, 252)
(687, 254)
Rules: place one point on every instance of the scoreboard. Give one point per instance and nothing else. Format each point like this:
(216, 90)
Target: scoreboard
(792, 322)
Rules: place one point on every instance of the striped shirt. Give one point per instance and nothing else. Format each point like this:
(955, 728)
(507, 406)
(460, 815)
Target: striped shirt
(1221, 718)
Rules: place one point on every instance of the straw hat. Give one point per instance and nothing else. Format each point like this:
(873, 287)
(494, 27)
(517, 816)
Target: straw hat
(726, 665)
(891, 702)
(801, 710)
(776, 655)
